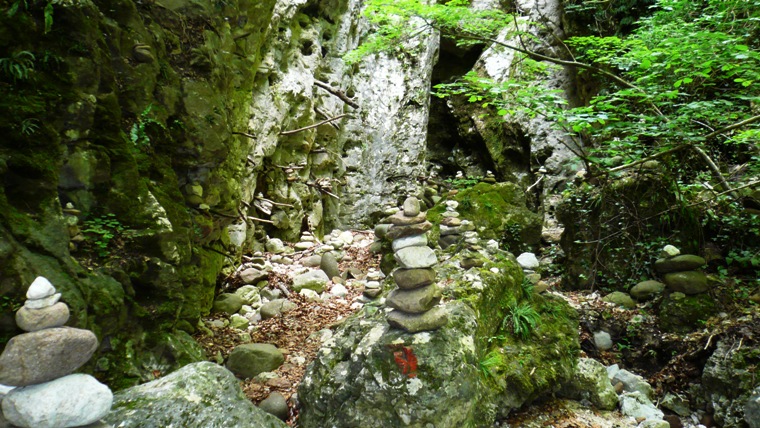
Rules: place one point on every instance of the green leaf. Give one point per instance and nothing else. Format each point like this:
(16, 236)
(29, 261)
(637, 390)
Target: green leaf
(678, 83)
(501, 112)
(646, 63)
(48, 17)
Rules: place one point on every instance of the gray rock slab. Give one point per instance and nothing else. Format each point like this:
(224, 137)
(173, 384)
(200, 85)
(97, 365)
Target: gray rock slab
(415, 257)
(250, 294)
(410, 241)
(647, 290)
(329, 265)
(450, 230)
(602, 340)
(637, 405)
(44, 355)
(198, 395)
(40, 288)
(275, 246)
(395, 232)
(679, 263)
(633, 383)
(312, 261)
(313, 280)
(276, 405)
(228, 303)
(413, 323)
(689, 282)
(251, 359)
(409, 279)
(415, 301)
(70, 401)
(39, 319)
(451, 221)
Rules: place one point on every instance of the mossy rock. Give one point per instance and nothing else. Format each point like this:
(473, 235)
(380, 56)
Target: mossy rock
(498, 212)
(680, 313)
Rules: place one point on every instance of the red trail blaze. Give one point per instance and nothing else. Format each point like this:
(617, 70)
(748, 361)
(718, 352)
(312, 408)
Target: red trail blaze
(406, 361)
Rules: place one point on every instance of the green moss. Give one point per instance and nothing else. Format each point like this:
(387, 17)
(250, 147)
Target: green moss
(682, 314)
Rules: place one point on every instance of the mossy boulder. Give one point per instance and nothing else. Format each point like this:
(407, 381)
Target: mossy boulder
(680, 313)
(498, 212)
(729, 377)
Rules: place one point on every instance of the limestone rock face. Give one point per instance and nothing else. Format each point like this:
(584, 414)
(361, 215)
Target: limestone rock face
(198, 395)
(729, 383)
(73, 400)
(45, 355)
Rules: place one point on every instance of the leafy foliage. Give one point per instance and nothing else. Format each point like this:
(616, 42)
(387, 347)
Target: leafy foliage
(18, 65)
(102, 231)
(522, 319)
(138, 134)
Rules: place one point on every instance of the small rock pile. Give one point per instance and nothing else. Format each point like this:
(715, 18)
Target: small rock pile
(417, 295)
(372, 288)
(451, 226)
(679, 271)
(40, 363)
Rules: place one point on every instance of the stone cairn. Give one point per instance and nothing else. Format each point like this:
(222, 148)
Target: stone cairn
(39, 365)
(679, 271)
(416, 296)
(451, 226)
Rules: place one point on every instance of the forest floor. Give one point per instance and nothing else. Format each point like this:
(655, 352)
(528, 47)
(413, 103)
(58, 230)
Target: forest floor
(670, 362)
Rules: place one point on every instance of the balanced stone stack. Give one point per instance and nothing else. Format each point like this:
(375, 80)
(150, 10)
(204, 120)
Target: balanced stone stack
(416, 297)
(679, 271)
(40, 363)
(451, 226)
(372, 287)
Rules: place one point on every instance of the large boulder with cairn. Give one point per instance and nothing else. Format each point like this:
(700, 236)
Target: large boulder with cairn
(372, 375)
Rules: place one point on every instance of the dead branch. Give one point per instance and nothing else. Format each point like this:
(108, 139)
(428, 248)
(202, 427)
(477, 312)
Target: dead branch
(259, 219)
(278, 204)
(326, 116)
(244, 134)
(337, 93)
(305, 128)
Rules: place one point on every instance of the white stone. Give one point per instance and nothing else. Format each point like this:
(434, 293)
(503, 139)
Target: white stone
(602, 340)
(409, 241)
(249, 294)
(451, 205)
(347, 238)
(637, 405)
(40, 289)
(275, 246)
(415, 257)
(70, 401)
(527, 261)
(339, 290)
(669, 251)
(45, 302)
(237, 233)
(310, 295)
(4, 389)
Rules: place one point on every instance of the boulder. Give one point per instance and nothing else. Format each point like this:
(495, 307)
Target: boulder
(276, 308)
(253, 358)
(69, 401)
(313, 280)
(228, 303)
(43, 302)
(680, 313)
(638, 406)
(250, 294)
(689, 282)
(39, 319)
(276, 405)
(415, 301)
(752, 409)
(415, 257)
(275, 246)
(44, 355)
(679, 263)
(633, 383)
(329, 265)
(198, 395)
(590, 383)
(621, 299)
(647, 290)
(729, 380)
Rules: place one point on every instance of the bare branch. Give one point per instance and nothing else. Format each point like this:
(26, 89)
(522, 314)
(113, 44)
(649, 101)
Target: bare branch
(337, 93)
(305, 128)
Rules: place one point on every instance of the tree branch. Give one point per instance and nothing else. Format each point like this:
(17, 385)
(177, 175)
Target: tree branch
(305, 128)
(337, 93)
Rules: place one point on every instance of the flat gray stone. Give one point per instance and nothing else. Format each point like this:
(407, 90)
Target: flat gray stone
(312, 261)
(198, 395)
(415, 257)
(633, 383)
(249, 360)
(409, 241)
(637, 405)
(395, 232)
(413, 323)
(313, 280)
(44, 355)
(415, 301)
(621, 299)
(252, 275)
(689, 282)
(400, 219)
(276, 405)
(276, 308)
(450, 230)
(44, 302)
(680, 263)
(647, 290)
(71, 401)
(39, 319)
(451, 221)
(40, 288)
(228, 303)
(329, 265)
(409, 279)
(590, 382)
(411, 206)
